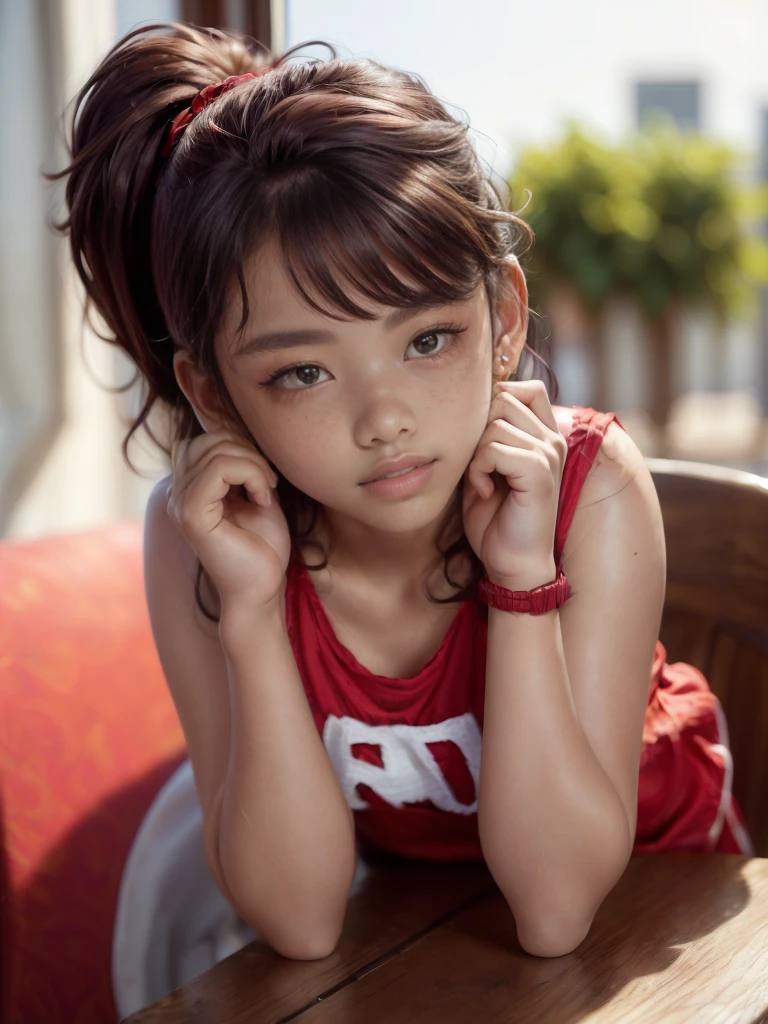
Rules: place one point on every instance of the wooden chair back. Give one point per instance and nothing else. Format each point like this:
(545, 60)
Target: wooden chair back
(716, 608)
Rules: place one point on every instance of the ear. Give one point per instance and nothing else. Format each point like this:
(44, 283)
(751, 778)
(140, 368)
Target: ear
(511, 318)
(201, 394)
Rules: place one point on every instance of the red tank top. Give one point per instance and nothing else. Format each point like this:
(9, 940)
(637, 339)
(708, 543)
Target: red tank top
(407, 751)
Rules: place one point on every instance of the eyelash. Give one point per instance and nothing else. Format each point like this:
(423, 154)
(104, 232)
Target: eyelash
(449, 329)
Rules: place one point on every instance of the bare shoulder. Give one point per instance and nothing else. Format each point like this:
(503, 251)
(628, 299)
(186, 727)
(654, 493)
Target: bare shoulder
(617, 463)
(618, 459)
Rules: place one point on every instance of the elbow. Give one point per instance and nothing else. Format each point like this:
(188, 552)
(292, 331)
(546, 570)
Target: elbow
(555, 924)
(309, 933)
(553, 938)
(561, 923)
(305, 950)
(554, 917)
(302, 942)
(297, 940)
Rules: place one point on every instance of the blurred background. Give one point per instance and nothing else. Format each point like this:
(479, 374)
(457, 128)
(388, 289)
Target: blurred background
(633, 137)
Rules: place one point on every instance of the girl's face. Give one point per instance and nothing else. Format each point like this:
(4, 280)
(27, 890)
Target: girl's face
(328, 401)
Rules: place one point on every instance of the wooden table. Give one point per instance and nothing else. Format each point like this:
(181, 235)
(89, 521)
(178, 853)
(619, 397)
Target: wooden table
(682, 937)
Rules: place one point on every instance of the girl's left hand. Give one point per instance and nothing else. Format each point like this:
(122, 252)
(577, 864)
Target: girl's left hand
(512, 485)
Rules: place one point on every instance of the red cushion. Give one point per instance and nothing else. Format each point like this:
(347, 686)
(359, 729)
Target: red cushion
(88, 735)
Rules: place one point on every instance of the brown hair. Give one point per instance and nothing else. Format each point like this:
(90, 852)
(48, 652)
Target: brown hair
(352, 165)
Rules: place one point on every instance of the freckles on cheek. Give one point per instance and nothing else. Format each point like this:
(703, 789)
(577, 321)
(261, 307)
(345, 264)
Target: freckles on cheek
(303, 456)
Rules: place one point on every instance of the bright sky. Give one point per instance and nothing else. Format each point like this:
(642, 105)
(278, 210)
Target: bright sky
(519, 68)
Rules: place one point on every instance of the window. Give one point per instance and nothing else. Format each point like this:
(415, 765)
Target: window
(679, 100)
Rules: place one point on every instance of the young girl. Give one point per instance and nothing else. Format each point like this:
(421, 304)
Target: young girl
(314, 275)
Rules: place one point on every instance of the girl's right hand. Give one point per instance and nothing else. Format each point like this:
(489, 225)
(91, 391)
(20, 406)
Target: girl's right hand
(243, 543)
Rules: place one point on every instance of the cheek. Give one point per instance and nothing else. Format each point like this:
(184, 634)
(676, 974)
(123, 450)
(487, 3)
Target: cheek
(301, 450)
(464, 421)
(467, 403)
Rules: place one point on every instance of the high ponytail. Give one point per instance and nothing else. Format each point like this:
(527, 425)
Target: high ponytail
(120, 122)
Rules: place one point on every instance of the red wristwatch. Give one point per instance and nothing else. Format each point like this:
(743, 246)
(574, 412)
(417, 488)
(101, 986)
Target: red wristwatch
(535, 602)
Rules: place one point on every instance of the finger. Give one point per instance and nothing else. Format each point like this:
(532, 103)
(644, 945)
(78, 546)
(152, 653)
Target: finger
(202, 443)
(534, 409)
(552, 448)
(508, 435)
(239, 451)
(512, 435)
(482, 468)
(507, 408)
(199, 454)
(209, 488)
(512, 463)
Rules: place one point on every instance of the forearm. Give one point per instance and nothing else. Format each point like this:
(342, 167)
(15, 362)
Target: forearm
(553, 829)
(286, 841)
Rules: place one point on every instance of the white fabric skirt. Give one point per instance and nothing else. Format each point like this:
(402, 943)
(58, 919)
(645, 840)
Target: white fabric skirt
(172, 921)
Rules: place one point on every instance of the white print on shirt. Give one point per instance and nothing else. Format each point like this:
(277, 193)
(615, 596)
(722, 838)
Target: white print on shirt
(409, 772)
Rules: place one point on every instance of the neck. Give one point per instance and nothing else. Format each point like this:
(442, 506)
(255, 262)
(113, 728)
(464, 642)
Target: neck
(392, 564)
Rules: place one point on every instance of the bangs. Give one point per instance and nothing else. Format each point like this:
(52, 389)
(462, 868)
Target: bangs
(407, 249)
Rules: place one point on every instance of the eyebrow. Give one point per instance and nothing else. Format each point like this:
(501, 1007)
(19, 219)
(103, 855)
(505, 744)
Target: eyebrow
(273, 341)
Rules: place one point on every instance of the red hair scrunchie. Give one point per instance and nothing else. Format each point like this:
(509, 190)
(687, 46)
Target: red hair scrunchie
(201, 100)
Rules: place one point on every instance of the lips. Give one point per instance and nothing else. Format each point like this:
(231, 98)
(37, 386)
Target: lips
(397, 466)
